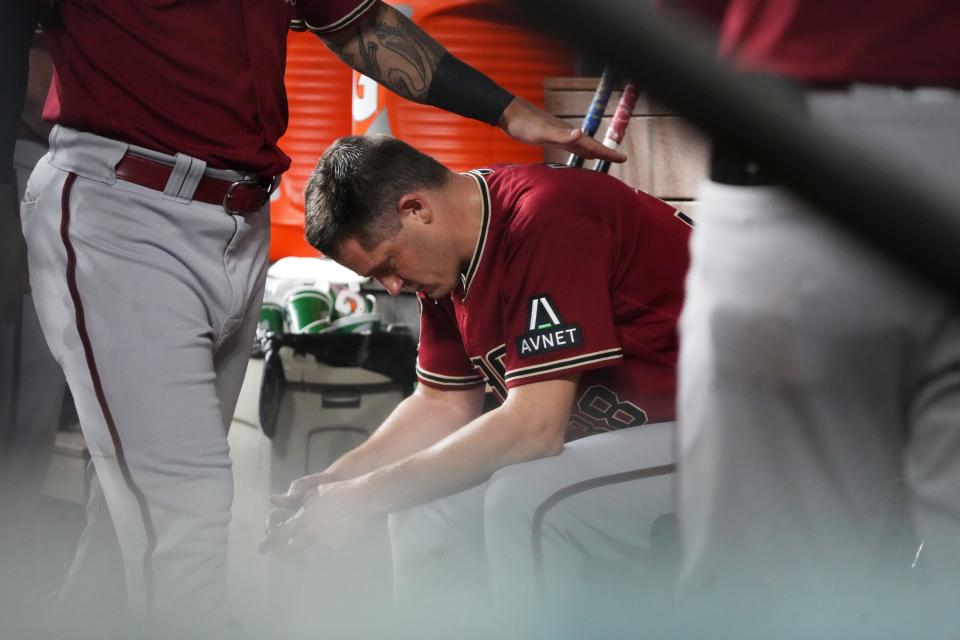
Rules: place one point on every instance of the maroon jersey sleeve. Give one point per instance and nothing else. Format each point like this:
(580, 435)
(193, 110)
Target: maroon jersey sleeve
(327, 16)
(558, 316)
(442, 362)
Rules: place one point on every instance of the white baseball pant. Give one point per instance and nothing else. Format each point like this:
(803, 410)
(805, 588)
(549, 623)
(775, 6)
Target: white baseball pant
(820, 396)
(550, 543)
(149, 301)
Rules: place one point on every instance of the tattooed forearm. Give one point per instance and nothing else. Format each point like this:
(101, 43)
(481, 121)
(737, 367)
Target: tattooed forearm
(342, 51)
(415, 58)
(392, 50)
(368, 56)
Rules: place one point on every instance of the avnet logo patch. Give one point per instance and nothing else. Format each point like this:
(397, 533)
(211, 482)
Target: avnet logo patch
(546, 330)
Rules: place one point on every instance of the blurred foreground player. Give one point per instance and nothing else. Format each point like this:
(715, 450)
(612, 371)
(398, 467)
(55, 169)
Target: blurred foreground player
(559, 289)
(820, 385)
(147, 227)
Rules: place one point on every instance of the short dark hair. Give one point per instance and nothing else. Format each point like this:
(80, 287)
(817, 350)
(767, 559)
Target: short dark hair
(356, 185)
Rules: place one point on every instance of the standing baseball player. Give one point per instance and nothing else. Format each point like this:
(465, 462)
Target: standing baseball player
(819, 396)
(559, 288)
(147, 229)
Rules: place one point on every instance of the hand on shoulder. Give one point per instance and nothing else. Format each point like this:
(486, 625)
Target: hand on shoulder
(527, 123)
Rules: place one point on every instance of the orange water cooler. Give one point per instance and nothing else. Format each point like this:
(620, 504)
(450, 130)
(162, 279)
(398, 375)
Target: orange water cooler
(479, 32)
(318, 95)
(482, 33)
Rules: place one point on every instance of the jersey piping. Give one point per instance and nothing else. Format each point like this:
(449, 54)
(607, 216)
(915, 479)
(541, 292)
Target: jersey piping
(342, 22)
(566, 363)
(448, 381)
(466, 278)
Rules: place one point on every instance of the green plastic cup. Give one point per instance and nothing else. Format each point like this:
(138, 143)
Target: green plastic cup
(271, 318)
(308, 310)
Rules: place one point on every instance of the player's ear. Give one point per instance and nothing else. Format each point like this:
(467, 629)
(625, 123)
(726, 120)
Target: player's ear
(416, 205)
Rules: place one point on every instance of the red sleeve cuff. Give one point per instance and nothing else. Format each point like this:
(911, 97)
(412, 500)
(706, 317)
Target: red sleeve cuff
(440, 381)
(563, 367)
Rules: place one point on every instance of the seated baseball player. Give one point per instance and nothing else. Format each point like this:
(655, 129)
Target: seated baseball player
(559, 290)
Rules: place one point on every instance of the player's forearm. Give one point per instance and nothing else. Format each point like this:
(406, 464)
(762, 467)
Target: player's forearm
(529, 425)
(461, 460)
(415, 424)
(388, 47)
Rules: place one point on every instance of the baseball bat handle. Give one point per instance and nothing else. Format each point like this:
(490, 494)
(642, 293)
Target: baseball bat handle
(618, 127)
(591, 121)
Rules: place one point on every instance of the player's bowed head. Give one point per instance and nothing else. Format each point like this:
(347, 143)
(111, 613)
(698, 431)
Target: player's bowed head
(385, 210)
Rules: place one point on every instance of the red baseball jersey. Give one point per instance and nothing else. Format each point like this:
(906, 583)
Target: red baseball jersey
(201, 78)
(831, 41)
(573, 272)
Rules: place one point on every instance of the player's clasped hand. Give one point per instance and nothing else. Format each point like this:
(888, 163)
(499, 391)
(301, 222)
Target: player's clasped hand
(286, 505)
(316, 514)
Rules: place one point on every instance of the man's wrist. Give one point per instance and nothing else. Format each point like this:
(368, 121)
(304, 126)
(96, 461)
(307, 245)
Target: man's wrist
(459, 88)
(365, 495)
(510, 110)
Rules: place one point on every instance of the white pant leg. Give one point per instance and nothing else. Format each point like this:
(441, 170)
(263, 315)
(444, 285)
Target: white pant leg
(439, 565)
(791, 411)
(166, 290)
(802, 359)
(84, 612)
(932, 466)
(569, 537)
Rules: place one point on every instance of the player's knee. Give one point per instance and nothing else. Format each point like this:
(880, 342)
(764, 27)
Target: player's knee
(511, 499)
(420, 533)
